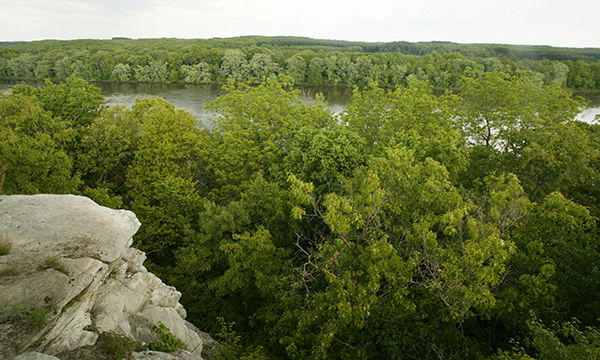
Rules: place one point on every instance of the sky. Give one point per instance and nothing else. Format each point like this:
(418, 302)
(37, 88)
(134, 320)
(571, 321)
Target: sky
(572, 23)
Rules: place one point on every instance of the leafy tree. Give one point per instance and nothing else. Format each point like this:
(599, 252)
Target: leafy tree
(199, 73)
(413, 115)
(324, 157)
(155, 71)
(234, 66)
(44, 69)
(295, 67)
(256, 127)
(240, 258)
(565, 232)
(31, 157)
(405, 258)
(163, 175)
(122, 72)
(316, 71)
(22, 66)
(107, 149)
(261, 67)
(501, 117)
(75, 101)
(561, 157)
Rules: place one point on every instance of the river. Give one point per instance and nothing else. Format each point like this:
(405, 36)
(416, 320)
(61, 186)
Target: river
(193, 97)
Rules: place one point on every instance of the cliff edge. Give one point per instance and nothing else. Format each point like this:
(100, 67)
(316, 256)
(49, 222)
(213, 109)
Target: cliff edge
(68, 274)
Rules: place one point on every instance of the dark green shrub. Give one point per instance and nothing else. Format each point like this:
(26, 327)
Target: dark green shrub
(5, 247)
(36, 319)
(166, 341)
(118, 346)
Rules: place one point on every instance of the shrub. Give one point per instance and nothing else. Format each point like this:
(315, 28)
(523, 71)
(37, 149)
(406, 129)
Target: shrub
(9, 270)
(166, 341)
(14, 311)
(118, 346)
(5, 247)
(54, 263)
(36, 319)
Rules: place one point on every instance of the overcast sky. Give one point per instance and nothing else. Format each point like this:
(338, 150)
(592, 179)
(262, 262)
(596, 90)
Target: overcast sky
(573, 23)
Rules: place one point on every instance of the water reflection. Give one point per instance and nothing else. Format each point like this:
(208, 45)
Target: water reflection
(193, 97)
(592, 111)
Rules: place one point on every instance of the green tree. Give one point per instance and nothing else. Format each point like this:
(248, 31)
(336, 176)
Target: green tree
(22, 66)
(410, 116)
(31, 157)
(234, 66)
(261, 67)
(163, 176)
(75, 101)
(408, 264)
(256, 126)
(122, 72)
(295, 66)
(324, 157)
(199, 73)
(155, 71)
(107, 150)
(316, 71)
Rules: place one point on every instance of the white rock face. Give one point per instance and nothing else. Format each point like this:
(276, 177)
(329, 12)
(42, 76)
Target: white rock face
(35, 356)
(154, 355)
(66, 226)
(72, 256)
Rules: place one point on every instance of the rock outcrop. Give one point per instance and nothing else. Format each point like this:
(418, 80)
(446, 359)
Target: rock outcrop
(71, 261)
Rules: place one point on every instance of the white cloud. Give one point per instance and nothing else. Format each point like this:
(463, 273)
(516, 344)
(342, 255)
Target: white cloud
(549, 22)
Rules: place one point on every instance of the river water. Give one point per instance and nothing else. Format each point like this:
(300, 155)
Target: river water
(193, 97)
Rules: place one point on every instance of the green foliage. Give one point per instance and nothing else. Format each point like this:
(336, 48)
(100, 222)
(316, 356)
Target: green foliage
(9, 270)
(55, 263)
(105, 151)
(234, 66)
(5, 246)
(324, 157)
(199, 73)
(257, 125)
(118, 346)
(14, 311)
(159, 149)
(560, 341)
(413, 117)
(36, 318)
(155, 71)
(252, 59)
(410, 226)
(121, 72)
(32, 159)
(231, 347)
(75, 101)
(166, 341)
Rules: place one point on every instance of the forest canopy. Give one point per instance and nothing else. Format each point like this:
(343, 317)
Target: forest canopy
(410, 226)
(251, 59)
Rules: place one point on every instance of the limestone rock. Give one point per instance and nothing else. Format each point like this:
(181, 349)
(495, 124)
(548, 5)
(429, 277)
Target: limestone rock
(66, 225)
(35, 356)
(155, 355)
(71, 257)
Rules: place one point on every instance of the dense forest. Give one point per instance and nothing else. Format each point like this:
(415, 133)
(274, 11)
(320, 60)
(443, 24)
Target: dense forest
(308, 61)
(411, 226)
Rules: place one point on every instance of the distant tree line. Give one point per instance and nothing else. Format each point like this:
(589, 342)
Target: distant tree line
(307, 61)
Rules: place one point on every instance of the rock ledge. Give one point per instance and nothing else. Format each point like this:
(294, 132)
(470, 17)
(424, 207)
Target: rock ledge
(72, 258)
